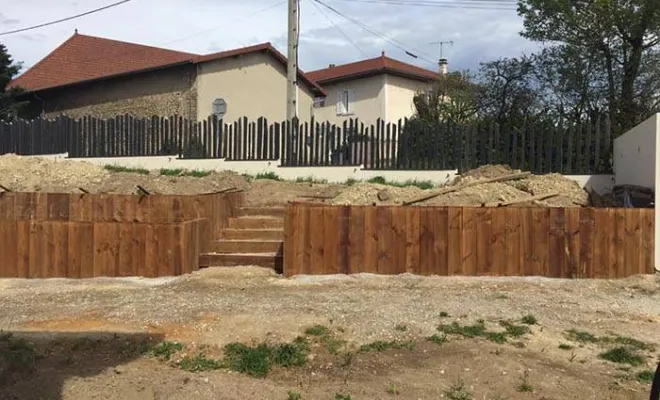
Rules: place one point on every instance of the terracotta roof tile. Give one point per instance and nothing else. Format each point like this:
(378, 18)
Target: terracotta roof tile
(371, 66)
(85, 58)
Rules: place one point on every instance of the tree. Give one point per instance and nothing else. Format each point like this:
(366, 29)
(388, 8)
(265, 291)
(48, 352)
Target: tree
(8, 70)
(453, 97)
(615, 37)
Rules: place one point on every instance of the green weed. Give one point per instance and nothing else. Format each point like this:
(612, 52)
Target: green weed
(401, 328)
(332, 344)
(199, 363)
(565, 346)
(171, 171)
(622, 355)
(437, 339)
(317, 330)
(458, 391)
(525, 386)
(444, 314)
(380, 180)
(515, 330)
(351, 182)
(581, 336)
(291, 354)
(342, 396)
(630, 342)
(257, 361)
(424, 185)
(197, 173)
(268, 175)
(310, 179)
(529, 320)
(119, 168)
(165, 350)
(294, 395)
(645, 376)
(393, 390)
(380, 345)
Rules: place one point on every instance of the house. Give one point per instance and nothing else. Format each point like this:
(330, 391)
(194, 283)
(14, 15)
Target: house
(370, 89)
(89, 75)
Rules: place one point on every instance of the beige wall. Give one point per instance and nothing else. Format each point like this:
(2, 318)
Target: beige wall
(400, 93)
(368, 101)
(166, 92)
(252, 85)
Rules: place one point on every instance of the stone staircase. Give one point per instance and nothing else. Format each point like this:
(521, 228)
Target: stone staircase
(254, 237)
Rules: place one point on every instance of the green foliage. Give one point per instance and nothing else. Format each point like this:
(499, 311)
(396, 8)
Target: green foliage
(525, 386)
(581, 336)
(645, 376)
(455, 96)
(9, 107)
(380, 345)
(350, 182)
(629, 342)
(199, 363)
(268, 175)
(378, 180)
(529, 320)
(515, 330)
(171, 171)
(257, 361)
(317, 330)
(623, 355)
(293, 395)
(444, 314)
(393, 390)
(165, 350)
(343, 396)
(437, 339)
(310, 179)
(119, 168)
(458, 391)
(565, 346)
(401, 327)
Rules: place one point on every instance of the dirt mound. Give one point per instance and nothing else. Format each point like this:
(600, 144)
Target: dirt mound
(368, 193)
(485, 172)
(266, 192)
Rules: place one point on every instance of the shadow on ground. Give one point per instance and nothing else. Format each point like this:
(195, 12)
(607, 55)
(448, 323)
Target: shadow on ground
(35, 365)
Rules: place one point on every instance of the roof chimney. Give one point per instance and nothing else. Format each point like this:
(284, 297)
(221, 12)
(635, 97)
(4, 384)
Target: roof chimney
(331, 66)
(442, 63)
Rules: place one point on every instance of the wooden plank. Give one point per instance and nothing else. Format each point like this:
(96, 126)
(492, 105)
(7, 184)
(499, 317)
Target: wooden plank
(469, 242)
(440, 227)
(106, 247)
(80, 257)
(23, 249)
(330, 241)
(356, 239)
(557, 243)
(139, 249)
(152, 257)
(58, 206)
(575, 235)
(8, 249)
(602, 230)
(385, 238)
(125, 263)
(343, 266)
(648, 241)
(633, 242)
(620, 243)
(58, 246)
(498, 240)
(291, 234)
(7, 211)
(317, 238)
(81, 206)
(38, 253)
(412, 239)
(302, 244)
(370, 260)
(454, 241)
(166, 253)
(513, 240)
(427, 256)
(484, 253)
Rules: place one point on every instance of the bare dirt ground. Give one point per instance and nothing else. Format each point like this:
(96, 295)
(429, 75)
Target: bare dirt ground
(43, 175)
(84, 336)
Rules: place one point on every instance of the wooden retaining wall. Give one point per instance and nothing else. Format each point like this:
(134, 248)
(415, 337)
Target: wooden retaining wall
(551, 242)
(44, 235)
(50, 249)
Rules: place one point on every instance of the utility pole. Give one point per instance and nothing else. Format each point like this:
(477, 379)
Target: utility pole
(442, 62)
(292, 66)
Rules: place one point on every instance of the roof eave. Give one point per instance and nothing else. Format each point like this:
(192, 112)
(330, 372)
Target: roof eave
(374, 72)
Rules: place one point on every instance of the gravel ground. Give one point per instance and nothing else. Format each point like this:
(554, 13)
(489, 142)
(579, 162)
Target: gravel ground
(250, 305)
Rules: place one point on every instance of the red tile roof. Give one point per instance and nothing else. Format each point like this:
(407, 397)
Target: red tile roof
(371, 66)
(85, 58)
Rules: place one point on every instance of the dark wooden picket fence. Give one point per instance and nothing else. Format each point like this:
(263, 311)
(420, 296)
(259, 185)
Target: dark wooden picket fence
(405, 145)
(36, 137)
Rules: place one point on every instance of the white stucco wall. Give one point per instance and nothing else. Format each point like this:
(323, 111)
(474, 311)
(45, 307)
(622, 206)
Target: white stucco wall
(368, 100)
(253, 85)
(636, 155)
(399, 94)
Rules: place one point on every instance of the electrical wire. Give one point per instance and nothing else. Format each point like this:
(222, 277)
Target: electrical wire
(348, 38)
(374, 32)
(462, 4)
(65, 19)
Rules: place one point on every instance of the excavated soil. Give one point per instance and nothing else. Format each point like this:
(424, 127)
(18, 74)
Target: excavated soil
(39, 174)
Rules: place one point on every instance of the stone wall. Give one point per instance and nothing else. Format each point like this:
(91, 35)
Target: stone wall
(164, 92)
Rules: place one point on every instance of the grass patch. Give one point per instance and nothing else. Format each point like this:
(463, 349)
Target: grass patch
(622, 355)
(629, 342)
(515, 330)
(293, 395)
(165, 350)
(458, 391)
(343, 396)
(268, 175)
(525, 386)
(199, 363)
(401, 328)
(529, 320)
(119, 168)
(317, 330)
(425, 185)
(381, 345)
(565, 346)
(581, 336)
(171, 171)
(257, 361)
(350, 181)
(444, 314)
(393, 390)
(197, 173)
(645, 376)
(437, 339)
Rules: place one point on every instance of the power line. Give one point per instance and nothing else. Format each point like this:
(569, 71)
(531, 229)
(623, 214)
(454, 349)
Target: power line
(348, 38)
(374, 32)
(65, 19)
(461, 4)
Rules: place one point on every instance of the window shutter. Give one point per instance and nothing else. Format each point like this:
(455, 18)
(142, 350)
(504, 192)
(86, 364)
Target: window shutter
(340, 104)
(351, 99)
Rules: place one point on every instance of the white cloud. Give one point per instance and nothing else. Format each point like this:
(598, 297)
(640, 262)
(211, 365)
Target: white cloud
(203, 26)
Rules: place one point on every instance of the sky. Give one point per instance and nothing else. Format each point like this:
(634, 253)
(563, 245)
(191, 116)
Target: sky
(206, 26)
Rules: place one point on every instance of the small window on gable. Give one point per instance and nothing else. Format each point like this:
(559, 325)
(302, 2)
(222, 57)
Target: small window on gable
(345, 102)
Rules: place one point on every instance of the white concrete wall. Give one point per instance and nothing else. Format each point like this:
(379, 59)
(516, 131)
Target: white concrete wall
(636, 163)
(399, 94)
(368, 100)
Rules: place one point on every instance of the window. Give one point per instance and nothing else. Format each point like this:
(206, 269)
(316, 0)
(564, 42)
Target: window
(345, 102)
(319, 102)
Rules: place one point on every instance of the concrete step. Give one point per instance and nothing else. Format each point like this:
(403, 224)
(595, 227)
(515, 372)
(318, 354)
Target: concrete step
(252, 234)
(262, 211)
(246, 246)
(250, 222)
(266, 260)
